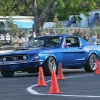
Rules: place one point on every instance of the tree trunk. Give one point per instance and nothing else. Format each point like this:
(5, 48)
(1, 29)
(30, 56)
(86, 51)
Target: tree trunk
(37, 23)
(39, 20)
(37, 26)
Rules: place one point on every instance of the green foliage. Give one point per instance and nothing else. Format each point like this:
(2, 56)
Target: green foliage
(63, 8)
(25, 7)
(77, 7)
(57, 24)
(61, 2)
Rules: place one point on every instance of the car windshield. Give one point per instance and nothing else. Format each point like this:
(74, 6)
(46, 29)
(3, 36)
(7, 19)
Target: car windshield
(48, 41)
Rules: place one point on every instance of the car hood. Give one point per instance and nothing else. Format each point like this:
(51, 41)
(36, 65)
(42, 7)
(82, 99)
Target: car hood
(26, 51)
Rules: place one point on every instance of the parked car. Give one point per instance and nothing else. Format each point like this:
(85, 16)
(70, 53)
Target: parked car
(48, 51)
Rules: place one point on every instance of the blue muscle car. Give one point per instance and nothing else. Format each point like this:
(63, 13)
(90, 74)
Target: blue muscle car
(48, 51)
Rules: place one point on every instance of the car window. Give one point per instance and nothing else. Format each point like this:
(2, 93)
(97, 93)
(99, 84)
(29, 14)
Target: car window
(72, 41)
(49, 41)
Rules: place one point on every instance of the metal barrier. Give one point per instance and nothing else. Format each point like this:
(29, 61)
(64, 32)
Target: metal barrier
(90, 30)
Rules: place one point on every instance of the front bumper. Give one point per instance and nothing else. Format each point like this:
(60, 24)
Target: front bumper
(20, 66)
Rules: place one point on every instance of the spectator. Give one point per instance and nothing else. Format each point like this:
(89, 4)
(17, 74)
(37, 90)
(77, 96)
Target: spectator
(33, 35)
(30, 33)
(76, 32)
(80, 33)
(15, 40)
(21, 34)
(98, 39)
(93, 39)
(85, 36)
(52, 32)
(22, 39)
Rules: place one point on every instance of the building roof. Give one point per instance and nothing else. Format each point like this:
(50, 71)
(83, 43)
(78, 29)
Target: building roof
(24, 23)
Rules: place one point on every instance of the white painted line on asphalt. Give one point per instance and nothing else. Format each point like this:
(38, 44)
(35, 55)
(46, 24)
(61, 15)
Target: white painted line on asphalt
(30, 90)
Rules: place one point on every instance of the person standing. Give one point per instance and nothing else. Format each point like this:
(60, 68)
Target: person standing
(80, 33)
(93, 39)
(76, 32)
(52, 32)
(33, 35)
(85, 36)
(98, 39)
(15, 41)
(22, 39)
(21, 34)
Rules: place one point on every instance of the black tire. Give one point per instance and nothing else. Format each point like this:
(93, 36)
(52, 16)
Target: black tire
(6, 73)
(49, 65)
(91, 63)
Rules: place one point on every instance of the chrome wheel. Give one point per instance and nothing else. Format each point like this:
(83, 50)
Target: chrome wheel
(91, 63)
(51, 64)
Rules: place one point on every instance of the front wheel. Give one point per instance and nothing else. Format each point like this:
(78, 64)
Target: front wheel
(49, 65)
(91, 64)
(6, 73)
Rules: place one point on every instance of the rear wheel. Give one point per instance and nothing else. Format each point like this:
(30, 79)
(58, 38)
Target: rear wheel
(49, 65)
(6, 73)
(91, 64)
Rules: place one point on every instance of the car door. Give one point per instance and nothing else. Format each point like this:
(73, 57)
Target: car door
(73, 54)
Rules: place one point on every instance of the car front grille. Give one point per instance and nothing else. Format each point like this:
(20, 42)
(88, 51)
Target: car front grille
(15, 58)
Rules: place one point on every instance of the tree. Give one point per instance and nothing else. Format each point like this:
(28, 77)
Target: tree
(42, 10)
(62, 8)
(57, 24)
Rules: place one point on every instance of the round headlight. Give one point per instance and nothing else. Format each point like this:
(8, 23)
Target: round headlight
(36, 57)
(24, 57)
(4, 59)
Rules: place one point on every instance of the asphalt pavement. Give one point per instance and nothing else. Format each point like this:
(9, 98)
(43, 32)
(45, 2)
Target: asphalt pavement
(77, 85)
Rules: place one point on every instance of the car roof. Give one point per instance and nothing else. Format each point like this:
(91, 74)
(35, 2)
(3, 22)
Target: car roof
(57, 35)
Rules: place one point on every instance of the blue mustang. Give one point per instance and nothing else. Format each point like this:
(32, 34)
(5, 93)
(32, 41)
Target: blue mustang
(48, 51)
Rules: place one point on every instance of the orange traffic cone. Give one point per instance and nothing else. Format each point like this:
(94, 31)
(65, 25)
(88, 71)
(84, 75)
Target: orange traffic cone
(97, 67)
(54, 89)
(60, 75)
(41, 80)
